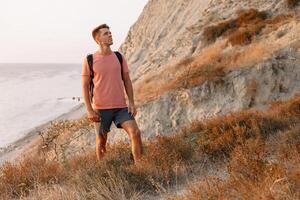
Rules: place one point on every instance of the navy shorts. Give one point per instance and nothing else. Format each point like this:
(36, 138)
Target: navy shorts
(116, 115)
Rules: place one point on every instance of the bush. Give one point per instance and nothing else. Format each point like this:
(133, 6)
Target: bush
(251, 16)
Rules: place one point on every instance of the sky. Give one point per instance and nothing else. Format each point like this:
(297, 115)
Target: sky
(59, 31)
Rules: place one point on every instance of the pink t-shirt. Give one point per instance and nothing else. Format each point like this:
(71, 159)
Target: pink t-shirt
(108, 84)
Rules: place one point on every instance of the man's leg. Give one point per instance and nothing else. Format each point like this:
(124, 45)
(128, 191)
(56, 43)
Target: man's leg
(134, 133)
(101, 139)
(100, 145)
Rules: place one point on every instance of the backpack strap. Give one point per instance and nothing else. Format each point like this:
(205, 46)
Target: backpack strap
(89, 58)
(120, 58)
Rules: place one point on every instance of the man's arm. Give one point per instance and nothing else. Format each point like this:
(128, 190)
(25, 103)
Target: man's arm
(129, 91)
(92, 115)
(86, 93)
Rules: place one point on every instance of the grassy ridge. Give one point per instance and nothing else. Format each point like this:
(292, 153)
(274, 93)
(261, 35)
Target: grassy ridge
(240, 140)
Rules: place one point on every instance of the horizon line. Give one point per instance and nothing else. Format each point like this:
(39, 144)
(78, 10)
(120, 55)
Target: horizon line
(39, 63)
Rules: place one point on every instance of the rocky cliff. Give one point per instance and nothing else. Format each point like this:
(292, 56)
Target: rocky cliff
(192, 60)
(167, 31)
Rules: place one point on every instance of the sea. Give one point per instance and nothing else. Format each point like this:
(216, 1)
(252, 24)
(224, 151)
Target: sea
(34, 94)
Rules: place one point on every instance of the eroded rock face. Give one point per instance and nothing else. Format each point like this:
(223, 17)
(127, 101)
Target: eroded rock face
(277, 78)
(167, 31)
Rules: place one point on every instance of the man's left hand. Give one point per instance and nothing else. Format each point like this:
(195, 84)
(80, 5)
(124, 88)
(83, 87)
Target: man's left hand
(132, 109)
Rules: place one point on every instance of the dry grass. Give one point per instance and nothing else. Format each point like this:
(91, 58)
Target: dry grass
(244, 19)
(242, 29)
(211, 65)
(292, 3)
(217, 59)
(190, 71)
(257, 170)
(239, 139)
(223, 134)
(53, 139)
(18, 179)
(115, 177)
(62, 129)
(262, 152)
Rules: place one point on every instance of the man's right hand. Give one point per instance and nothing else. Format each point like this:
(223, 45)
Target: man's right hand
(93, 116)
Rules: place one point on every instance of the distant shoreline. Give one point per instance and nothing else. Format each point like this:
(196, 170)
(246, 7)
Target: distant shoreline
(36, 63)
(11, 152)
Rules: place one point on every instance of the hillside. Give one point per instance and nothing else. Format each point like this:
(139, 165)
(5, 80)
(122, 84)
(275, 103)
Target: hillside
(217, 88)
(249, 154)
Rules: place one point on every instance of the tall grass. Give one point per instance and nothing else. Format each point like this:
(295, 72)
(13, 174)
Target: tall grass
(242, 29)
(257, 169)
(292, 3)
(239, 140)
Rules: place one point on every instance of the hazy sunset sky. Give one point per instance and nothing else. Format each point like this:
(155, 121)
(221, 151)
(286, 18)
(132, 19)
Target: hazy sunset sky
(59, 31)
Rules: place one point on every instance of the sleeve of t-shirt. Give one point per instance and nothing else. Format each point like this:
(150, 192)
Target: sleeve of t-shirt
(85, 71)
(125, 66)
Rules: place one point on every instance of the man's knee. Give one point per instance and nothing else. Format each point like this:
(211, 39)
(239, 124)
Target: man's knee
(100, 145)
(101, 141)
(135, 134)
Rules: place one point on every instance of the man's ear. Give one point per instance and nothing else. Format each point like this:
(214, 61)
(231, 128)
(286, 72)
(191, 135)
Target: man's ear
(97, 38)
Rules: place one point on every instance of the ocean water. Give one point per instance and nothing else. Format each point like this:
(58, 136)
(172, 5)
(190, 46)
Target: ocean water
(33, 94)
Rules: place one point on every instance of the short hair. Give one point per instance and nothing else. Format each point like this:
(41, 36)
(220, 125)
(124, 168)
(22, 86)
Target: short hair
(96, 30)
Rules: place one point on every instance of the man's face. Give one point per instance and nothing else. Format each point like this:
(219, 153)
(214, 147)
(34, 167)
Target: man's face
(105, 37)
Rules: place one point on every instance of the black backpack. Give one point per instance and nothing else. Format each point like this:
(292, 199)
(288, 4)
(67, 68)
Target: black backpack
(89, 58)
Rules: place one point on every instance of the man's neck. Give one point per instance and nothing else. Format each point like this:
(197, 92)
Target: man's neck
(104, 50)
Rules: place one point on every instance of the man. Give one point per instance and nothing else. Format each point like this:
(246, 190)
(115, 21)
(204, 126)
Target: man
(109, 103)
